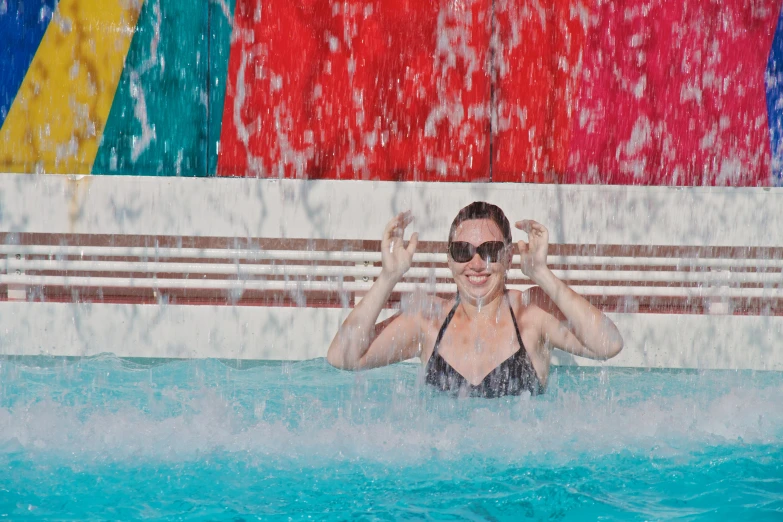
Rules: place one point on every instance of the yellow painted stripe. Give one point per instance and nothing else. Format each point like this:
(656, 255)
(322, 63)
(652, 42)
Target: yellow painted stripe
(57, 118)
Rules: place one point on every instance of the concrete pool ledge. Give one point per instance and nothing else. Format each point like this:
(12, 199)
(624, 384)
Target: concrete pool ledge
(271, 333)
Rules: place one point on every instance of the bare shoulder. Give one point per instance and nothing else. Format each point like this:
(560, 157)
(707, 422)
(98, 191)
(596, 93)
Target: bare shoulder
(535, 301)
(428, 312)
(425, 309)
(524, 307)
(530, 310)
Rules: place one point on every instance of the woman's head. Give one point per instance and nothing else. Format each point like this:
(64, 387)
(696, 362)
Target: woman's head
(482, 210)
(480, 251)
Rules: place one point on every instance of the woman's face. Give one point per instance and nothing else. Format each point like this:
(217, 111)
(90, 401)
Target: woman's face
(479, 281)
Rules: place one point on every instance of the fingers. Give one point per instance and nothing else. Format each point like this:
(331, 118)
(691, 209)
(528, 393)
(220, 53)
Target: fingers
(528, 224)
(387, 232)
(531, 227)
(414, 240)
(524, 224)
(404, 219)
(396, 226)
(523, 247)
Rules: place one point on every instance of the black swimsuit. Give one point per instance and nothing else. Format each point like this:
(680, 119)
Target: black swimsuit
(513, 376)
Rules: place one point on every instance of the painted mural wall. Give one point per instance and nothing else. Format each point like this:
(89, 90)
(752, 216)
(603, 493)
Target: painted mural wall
(642, 92)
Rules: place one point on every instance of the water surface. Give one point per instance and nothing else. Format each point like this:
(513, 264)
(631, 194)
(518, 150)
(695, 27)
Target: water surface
(106, 438)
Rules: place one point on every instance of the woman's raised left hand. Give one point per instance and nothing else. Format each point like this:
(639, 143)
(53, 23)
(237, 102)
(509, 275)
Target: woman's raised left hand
(533, 252)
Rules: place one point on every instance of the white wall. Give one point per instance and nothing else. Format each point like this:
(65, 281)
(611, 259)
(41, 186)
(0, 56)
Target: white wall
(248, 332)
(359, 210)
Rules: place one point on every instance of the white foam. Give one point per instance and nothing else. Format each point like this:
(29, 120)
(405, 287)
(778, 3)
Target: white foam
(405, 428)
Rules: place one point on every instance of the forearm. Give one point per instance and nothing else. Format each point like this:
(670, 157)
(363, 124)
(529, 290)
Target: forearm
(592, 328)
(355, 335)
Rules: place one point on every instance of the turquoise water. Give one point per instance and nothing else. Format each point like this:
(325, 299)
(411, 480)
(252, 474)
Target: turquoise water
(111, 439)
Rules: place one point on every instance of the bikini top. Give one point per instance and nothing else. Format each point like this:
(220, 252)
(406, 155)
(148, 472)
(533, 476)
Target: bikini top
(513, 376)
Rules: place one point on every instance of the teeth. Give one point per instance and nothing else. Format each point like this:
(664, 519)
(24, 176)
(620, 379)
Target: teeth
(477, 279)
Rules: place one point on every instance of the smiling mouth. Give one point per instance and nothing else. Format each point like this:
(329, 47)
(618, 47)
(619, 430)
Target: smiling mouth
(478, 280)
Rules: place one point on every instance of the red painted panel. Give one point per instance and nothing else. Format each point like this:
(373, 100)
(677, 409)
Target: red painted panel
(392, 89)
(537, 56)
(673, 93)
(627, 92)
(259, 114)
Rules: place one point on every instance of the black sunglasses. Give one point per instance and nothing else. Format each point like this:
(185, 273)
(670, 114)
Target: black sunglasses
(462, 251)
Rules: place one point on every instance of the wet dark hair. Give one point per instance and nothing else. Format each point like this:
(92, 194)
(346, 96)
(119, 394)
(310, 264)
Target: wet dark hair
(482, 210)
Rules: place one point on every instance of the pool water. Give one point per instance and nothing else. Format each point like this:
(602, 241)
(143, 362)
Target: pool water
(110, 439)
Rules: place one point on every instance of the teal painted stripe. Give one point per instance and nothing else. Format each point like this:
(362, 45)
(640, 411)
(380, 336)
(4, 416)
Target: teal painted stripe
(219, 49)
(158, 120)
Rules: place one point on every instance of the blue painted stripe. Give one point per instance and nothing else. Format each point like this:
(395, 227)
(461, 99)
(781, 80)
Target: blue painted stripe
(22, 26)
(774, 83)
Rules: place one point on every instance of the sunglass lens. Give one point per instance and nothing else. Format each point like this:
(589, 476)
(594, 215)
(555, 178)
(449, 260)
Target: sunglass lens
(461, 252)
(490, 251)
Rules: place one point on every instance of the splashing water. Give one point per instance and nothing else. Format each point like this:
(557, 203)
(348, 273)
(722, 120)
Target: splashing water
(105, 437)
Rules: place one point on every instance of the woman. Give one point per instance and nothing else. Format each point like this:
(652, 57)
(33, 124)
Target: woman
(486, 341)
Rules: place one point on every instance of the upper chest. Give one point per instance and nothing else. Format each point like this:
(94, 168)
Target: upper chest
(476, 347)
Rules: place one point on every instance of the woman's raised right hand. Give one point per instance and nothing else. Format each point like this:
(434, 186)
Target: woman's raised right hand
(395, 256)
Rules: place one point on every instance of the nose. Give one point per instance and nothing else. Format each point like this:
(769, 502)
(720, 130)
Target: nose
(476, 263)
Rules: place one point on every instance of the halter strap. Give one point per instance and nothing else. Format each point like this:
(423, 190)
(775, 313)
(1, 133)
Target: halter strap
(442, 331)
(445, 324)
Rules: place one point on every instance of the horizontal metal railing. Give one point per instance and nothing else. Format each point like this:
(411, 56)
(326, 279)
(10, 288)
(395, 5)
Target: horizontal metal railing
(240, 254)
(352, 271)
(153, 268)
(353, 286)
